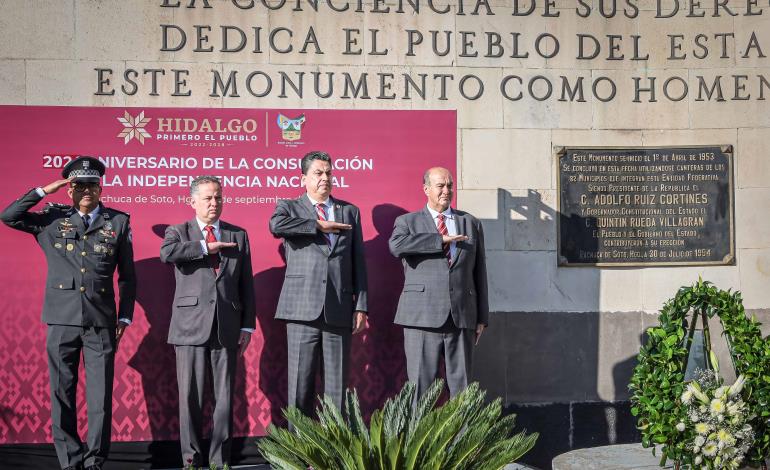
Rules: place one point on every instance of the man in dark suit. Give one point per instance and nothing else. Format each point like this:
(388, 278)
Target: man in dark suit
(323, 298)
(212, 318)
(443, 306)
(83, 244)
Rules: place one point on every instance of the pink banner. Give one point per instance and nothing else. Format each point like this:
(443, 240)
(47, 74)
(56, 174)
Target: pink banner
(151, 155)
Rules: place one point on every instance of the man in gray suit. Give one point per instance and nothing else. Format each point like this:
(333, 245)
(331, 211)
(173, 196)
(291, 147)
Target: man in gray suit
(212, 318)
(323, 298)
(83, 244)
(443, 306)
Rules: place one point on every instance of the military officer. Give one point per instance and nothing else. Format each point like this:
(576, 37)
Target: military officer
(83, 244)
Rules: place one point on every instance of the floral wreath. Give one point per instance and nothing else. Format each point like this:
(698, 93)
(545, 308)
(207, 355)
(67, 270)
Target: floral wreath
(658, 382)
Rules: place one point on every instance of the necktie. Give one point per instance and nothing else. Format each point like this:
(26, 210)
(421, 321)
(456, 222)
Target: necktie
(443, 231)
(87, 220)
(321, 211)
(213, 258)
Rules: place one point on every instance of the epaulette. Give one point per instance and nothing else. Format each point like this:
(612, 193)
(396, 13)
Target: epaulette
(49, 206)
(118, 211)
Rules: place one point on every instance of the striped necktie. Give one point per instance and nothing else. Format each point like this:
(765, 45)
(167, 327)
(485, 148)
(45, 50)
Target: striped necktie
(213, 258)
(321, 211)
(443, 231)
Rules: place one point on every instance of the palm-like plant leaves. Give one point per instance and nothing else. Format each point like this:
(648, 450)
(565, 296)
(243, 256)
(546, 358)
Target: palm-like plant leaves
(464, 434)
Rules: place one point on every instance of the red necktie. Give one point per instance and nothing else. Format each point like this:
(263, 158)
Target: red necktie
(443, 231)
(321, 211)
(213, 258)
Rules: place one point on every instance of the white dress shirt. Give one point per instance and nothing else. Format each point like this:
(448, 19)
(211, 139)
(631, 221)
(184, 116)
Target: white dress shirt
(92, 215)
(451, 226)
(217, 235)
(329, 208)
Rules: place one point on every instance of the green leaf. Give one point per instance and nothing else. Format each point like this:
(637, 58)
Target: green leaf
(464, 434)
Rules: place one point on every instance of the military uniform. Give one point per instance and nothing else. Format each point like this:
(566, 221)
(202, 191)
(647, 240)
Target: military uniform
(80, 312)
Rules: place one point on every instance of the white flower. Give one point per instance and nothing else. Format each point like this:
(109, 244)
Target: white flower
(694, 416)
(733, 409)
(680, 427)
(695, 388)
(729, 452)
(725, 438)
(702, 428)
(698, 460)
(687, 396)
(717, 407)
(699, 441)
(737, 386)
(746, 428)
(720, 392)
(710, 449)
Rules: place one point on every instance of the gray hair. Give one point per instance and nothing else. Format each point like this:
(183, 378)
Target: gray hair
(203, 179)
(426, 175)
(307, 160)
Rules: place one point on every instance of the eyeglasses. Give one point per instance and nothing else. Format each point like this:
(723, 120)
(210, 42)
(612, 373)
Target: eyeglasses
(80, 187)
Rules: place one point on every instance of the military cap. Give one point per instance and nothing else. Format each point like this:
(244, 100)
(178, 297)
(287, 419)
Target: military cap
(84, 170)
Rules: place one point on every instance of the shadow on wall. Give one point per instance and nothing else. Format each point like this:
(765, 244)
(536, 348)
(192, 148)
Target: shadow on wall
(272, 359)
(154, 359)
(541, 354)
(378, 365)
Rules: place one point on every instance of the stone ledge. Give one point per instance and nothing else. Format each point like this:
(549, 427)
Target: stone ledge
(616, 457)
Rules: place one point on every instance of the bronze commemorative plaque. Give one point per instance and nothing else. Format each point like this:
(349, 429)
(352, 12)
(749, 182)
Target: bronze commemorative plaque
(650, 206)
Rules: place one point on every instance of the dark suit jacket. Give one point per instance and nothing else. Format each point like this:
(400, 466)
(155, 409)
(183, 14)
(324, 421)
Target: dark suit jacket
(200, 294)
(320, 278)
(81, 262)
(433, 289)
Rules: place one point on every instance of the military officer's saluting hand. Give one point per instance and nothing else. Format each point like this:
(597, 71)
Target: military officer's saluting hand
(84, 243)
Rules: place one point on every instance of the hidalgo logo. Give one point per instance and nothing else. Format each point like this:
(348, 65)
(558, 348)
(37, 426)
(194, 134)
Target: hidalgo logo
(134, 127)
(291, 128)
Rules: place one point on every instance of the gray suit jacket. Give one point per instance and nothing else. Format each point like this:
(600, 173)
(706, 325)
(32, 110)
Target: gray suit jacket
(81, 261)
(432, 289)
(200, 294)
(320, 278)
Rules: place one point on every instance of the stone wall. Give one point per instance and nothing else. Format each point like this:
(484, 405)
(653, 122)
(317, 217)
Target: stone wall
(559, 335)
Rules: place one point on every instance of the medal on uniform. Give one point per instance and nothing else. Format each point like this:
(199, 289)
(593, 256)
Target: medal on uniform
(57, 245)
(70, 247)
(66, 226)
(108, 226)
(106, 233)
